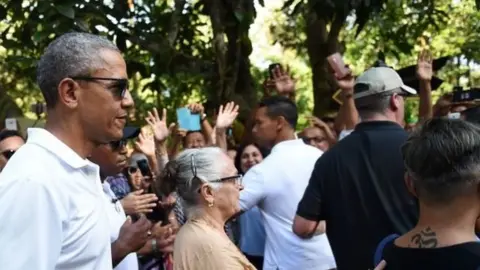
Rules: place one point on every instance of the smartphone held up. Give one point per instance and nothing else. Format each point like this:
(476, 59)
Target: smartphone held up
(338, 65)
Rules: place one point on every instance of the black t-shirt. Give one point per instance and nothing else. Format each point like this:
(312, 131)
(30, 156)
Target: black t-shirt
(464, 256)
(358, 188)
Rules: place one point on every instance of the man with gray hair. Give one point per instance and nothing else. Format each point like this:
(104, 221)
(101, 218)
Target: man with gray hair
(442, 159)
(357, 186)
(53, 209)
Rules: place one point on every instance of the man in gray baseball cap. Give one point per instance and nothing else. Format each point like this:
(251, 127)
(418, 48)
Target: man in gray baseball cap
(363, 176)
(379, 94)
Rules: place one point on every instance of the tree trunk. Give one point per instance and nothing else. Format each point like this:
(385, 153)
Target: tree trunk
(320, 44)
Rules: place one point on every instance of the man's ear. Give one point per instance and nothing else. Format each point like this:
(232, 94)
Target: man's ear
(68, 93)
(280, 122)
(394, 102)
(410, 185)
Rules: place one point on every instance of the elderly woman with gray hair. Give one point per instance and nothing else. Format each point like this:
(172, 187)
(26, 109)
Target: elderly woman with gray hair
(209, 185)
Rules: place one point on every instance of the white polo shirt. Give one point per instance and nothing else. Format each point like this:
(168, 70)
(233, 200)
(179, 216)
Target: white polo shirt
(116, 218)
(276, 185)
(52, 209)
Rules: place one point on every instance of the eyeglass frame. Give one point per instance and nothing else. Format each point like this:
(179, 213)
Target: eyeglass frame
(239, 177)
(94, 79)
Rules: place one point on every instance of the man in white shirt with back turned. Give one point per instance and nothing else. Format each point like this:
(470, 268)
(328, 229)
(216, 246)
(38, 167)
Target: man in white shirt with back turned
(52, 206)
(277, 184)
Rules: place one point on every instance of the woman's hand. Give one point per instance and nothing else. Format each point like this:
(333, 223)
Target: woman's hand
(159, 125)
(136, 202)
(226, 116)
(145, 144)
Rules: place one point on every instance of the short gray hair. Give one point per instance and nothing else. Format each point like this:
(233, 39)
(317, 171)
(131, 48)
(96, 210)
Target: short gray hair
(72, 54)
(443, 159)
(374, 104)
(209, 166)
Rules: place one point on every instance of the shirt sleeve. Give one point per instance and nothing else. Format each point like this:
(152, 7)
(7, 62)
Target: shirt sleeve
(31, 236)
(310, 205)
(253, 189)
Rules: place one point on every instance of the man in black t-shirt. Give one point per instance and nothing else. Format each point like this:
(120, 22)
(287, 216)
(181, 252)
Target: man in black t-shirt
(443, 166)
(358, 186)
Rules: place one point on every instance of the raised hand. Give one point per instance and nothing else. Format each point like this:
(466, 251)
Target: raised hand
(345, 83)
(316, 122)
(159, 125)
(146, 144)
(226, 116)
(136, 202)
(134, 235)
(196, 108)
(425, 66)
(282, 82)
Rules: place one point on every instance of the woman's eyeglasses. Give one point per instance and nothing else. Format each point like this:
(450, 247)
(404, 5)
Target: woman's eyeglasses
(236, 179)
(8, 153)
(119, 88)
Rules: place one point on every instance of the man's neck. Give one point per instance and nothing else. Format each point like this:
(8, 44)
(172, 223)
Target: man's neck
(285, 136)
(440, 227)
(70, 134)
(380, 117)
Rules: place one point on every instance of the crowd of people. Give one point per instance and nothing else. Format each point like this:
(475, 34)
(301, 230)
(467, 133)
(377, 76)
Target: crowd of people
(360, 191)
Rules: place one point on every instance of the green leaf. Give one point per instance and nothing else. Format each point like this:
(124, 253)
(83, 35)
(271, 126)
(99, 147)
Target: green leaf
(39, 36)
(239, 15)
(261, 2)
(66, 11)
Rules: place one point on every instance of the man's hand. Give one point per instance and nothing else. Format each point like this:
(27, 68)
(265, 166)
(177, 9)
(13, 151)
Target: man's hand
(159, 125)
(134, 235)
(425, 66)
(165, 236)
(226, 116)
(345, 83)
(316, 122)
(136, 202)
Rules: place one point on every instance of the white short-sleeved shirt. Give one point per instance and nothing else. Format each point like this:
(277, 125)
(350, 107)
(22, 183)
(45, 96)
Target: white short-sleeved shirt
(52, 209)
(116, 218)
(276, 185)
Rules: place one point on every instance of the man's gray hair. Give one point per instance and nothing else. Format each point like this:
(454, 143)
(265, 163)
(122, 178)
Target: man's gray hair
(209, 166)
(375, 104)
(72, 54)
(443, 159)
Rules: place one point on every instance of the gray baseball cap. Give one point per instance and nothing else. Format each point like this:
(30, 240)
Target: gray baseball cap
(378, 80)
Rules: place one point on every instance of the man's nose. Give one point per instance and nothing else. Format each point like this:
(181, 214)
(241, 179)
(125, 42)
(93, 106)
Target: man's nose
(127, 101)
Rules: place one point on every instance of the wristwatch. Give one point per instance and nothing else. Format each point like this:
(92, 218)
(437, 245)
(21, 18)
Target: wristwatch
(204, 117)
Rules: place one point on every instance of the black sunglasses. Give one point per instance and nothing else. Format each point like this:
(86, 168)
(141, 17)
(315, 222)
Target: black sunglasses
(121, 85)
(132, 170)
(237, 178)
(118, 144)
(8, 153)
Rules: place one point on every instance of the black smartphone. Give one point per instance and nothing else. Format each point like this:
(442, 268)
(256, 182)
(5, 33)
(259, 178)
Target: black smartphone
(272, 67)
(144, 168)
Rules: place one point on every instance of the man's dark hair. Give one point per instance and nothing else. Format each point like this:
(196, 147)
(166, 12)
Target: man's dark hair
(7, 133)
(281, 106)
(443, 159)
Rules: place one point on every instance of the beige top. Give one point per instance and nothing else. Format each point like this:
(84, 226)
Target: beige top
(199, 246)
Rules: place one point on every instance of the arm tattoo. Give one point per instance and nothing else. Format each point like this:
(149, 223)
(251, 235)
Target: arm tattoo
(425, 239)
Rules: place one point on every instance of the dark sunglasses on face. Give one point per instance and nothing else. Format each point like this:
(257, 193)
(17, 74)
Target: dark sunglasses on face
(132, 170)
(119, 88)
(118, 144)
(8, 153)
